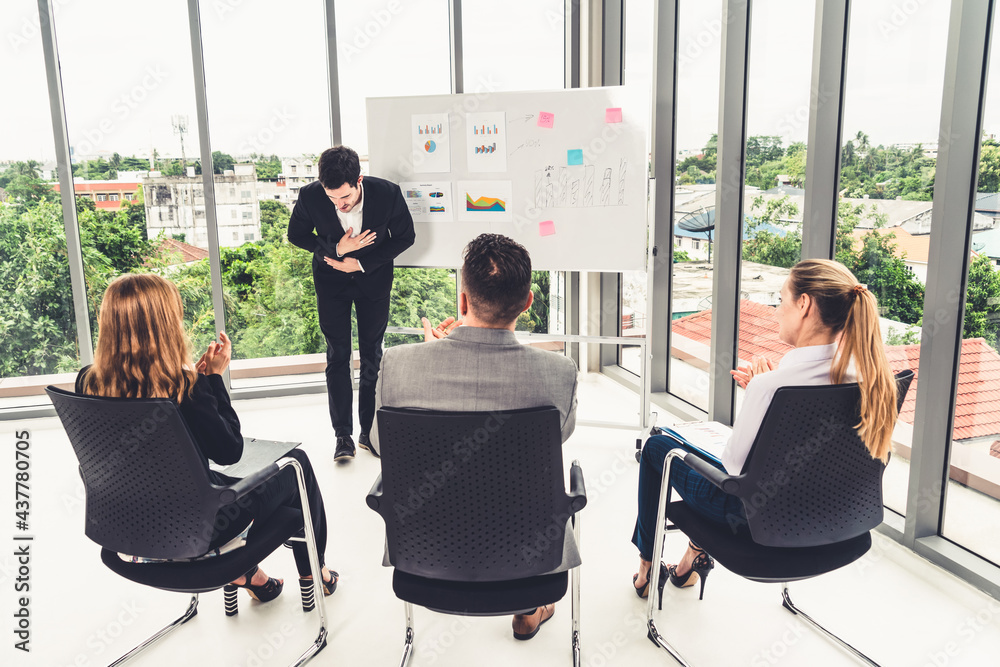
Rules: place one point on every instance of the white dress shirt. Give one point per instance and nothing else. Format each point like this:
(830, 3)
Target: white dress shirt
(808, 365)
(352, 219)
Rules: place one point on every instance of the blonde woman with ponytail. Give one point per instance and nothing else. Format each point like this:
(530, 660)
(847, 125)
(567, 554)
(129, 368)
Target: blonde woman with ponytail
(143, 352)
(832, 322)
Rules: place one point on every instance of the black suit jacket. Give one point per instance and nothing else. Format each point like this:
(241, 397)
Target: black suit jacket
(314, 226)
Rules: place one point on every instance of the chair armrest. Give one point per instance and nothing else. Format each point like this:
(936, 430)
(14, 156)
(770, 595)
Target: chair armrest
(577, 489)
(374, 497)
(231, 494)
(717, 477)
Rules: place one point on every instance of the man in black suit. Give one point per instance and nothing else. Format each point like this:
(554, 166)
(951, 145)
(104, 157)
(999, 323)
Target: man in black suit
(354, 231)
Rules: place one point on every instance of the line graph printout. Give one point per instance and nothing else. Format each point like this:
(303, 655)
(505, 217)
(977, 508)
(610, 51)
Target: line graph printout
(431, 144)
(486, 201)
(486, 141)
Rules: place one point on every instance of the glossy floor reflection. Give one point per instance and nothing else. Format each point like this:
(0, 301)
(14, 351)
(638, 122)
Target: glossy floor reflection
(895, 606)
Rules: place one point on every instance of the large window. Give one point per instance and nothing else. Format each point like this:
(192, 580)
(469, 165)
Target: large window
(781, 42)
(972, 510)
(698, 60)
(145, 118)
(887, 182)
(529, 34)
(263, 153)
(38, 334)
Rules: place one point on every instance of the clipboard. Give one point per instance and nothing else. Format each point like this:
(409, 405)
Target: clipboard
(256, 455)
(707, 439)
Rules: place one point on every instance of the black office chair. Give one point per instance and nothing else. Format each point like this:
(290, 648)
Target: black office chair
(812, 494)
(475, 512)
(148, 494)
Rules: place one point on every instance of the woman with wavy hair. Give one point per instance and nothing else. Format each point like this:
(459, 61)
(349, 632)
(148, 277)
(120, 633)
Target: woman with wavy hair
(143, 352)
(832, 322)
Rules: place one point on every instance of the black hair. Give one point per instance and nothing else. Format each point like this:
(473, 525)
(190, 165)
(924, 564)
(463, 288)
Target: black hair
(339, 165)
(496, 278)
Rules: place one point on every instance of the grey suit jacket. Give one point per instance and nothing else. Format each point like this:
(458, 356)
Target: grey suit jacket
(476, 369)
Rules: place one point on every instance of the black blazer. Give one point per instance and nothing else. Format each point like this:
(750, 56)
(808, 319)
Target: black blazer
(384, 211)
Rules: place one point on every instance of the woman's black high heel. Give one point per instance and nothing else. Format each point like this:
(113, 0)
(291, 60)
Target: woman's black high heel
(644, 591)
(306, 590)
(702, 565)
(263, 593)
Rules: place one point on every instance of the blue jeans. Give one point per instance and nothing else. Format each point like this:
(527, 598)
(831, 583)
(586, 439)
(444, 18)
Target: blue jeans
(704, 498)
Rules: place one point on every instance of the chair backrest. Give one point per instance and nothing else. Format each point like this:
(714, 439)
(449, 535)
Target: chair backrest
(813, 482)
(147, 484)
(473, 496)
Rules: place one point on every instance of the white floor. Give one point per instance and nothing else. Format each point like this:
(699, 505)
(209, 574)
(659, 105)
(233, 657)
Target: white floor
(897, 607)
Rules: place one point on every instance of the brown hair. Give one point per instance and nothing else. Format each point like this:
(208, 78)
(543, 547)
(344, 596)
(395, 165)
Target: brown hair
(847, 306)
(142, 350)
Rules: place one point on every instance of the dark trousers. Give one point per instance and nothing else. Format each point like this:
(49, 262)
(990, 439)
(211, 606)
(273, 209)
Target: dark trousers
(279, 491)
(334, 306)
(702, 496)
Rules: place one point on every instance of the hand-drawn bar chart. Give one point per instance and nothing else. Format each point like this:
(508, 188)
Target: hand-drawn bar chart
(574, 186)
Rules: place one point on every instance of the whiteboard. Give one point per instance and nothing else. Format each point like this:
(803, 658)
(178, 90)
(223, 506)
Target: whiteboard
(561, 172)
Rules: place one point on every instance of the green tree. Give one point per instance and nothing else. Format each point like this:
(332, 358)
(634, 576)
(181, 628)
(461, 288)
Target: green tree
(982, 302)
(117, 236)
(273, 221)
(761, 149)
(420, 293)
(24, 187)
(989, 169)
(764, 246)
(900, 295)
(536, 318)
(221, 162)
(268, 169)
(37, 328)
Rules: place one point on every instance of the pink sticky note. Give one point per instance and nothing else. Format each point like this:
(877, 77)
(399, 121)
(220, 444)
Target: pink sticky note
(613, 115)
(546, 119)
(546, 228)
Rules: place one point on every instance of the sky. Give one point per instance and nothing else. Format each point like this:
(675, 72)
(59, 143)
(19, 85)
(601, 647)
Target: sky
(127, 71)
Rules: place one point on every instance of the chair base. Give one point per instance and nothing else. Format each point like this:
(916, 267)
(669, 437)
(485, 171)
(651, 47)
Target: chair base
(786, 602)
(191, 612)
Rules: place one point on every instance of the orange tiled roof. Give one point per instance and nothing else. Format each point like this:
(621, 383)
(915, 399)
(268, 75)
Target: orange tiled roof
(977, 410)
(758, 330)
(179, 251)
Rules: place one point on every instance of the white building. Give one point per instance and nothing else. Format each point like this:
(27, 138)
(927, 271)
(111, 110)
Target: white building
(176, 205)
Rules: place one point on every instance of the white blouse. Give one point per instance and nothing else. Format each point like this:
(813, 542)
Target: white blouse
(801, 366)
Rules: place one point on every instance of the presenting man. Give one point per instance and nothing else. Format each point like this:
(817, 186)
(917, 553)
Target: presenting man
(480, 366)
(354, 230)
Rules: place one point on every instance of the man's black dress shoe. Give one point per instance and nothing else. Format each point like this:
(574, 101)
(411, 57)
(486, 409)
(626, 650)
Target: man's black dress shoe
(345, 448)
(364, 442)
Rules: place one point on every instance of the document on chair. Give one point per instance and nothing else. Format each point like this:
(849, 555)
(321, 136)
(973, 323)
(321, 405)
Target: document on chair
(708, 437)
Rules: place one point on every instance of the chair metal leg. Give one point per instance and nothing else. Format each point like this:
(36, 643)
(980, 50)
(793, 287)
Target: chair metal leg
(786, 602)
(314, 567)
(654, 569)
(575, 580)
(192, 610)
(408, 645)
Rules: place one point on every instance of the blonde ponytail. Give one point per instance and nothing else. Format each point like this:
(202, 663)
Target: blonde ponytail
(862, 341)
(847, 307)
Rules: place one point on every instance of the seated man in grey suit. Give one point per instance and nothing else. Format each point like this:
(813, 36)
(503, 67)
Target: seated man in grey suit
(480, 366)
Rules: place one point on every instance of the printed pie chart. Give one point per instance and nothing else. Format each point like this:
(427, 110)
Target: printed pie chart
(430, 146)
